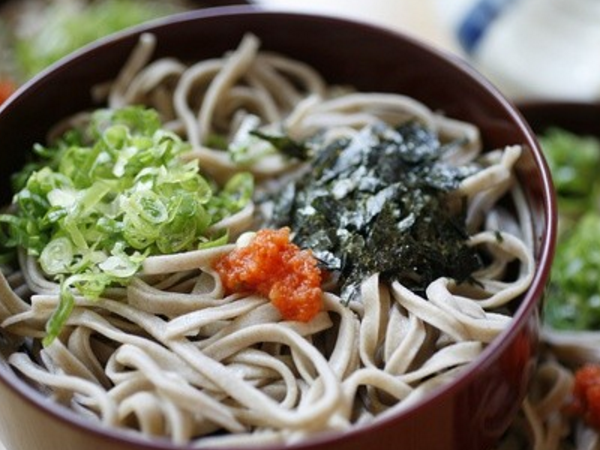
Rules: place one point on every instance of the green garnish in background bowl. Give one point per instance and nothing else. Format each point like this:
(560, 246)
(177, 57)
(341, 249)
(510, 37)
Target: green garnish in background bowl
(573, 302)
(63, 27)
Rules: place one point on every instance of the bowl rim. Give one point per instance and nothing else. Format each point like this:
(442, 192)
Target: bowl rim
(529, 302)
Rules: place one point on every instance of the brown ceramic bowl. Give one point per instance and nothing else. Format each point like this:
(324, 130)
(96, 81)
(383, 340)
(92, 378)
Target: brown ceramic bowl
(468, 414)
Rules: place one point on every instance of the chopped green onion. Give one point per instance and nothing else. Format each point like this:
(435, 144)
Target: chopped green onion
(57, 256)
(105, 197)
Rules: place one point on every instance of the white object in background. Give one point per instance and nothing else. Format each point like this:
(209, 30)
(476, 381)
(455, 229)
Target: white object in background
(453, 12)
(544, 49)
(419, 18)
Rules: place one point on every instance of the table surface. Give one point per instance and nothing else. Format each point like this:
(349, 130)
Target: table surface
(429, 20)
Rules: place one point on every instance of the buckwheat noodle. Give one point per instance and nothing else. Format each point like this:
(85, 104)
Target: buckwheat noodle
(171, 355)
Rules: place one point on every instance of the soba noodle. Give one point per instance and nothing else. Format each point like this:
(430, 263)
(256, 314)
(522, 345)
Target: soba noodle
(172, 355)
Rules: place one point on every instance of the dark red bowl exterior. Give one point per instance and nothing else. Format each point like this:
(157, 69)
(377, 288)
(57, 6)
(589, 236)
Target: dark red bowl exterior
(469, 414)
(577, 117)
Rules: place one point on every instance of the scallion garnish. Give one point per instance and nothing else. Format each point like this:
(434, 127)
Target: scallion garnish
(107, 196)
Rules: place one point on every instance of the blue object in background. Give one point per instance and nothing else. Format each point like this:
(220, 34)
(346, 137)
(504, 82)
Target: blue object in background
(475, 23)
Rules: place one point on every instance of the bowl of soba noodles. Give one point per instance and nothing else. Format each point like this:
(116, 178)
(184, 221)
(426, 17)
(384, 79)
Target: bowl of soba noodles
(237, 228)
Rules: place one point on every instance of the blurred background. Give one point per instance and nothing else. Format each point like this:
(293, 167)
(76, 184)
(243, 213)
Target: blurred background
(544, 49)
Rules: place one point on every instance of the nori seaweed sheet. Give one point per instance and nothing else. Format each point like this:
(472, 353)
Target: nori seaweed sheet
(381, 203)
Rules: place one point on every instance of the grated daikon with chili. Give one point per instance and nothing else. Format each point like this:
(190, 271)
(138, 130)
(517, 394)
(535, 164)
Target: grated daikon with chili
(273, 266)
(586, 395)
(7, 87)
